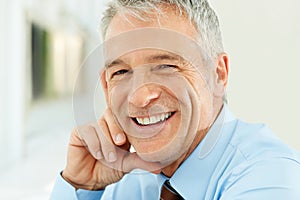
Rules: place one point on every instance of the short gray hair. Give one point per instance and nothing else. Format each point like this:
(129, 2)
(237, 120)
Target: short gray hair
(199, 12)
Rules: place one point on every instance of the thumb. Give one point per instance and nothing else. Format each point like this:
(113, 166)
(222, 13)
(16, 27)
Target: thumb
(132, 161)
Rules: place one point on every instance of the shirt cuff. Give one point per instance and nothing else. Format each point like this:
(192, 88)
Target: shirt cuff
(63, 190)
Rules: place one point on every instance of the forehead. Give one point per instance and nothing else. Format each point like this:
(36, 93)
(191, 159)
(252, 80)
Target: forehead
(169, 19)
(152, 44)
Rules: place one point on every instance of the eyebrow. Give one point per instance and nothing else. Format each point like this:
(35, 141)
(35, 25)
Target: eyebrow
(163, 56)
(115, 62)
(152, 58)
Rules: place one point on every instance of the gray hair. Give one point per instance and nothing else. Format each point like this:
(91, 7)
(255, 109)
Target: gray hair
(199, 12)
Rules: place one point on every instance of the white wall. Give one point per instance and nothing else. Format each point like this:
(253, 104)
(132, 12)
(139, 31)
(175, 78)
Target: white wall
(12, 81)
(262, 38)
(2, 78)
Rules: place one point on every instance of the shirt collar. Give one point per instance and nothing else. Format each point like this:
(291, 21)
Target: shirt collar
(192, 178)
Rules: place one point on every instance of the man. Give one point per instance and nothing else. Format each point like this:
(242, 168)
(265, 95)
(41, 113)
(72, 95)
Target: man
(165, 98)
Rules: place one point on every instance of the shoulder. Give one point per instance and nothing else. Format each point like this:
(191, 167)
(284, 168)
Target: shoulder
(269, 178)
(257, 141)
(267, 168)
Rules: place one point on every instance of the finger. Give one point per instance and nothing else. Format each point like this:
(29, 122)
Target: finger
(117, 134)
(107, 145)
(90, 139)
(133, 161)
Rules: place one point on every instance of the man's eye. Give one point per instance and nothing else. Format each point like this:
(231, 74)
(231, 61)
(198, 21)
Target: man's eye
(120, 72)
(165, 66)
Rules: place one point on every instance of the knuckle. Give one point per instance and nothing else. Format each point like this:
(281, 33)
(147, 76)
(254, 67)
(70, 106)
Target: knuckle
(107, 113)
(102, 125)
(74, 131)
(77, 131)
(85, 131)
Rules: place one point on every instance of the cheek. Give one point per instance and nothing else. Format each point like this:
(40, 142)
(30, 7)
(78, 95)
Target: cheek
(203, 90)
(117, 91)
(117, 97)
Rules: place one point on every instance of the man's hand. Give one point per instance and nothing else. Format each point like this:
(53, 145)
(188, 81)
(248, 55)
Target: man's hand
(98, 155)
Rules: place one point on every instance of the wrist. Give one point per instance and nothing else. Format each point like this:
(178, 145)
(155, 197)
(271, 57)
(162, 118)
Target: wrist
(69, 180)
(77, 185)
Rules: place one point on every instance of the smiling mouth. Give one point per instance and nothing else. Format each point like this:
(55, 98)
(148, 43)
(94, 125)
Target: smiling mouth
(154, 119)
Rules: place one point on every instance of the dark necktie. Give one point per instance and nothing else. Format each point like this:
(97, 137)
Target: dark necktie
(169, 193)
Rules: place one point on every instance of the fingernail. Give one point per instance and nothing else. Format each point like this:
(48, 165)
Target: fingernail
(112, 157)
(119, 138)
(98, 155)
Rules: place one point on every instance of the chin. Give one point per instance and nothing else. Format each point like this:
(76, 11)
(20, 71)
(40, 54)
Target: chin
(157, 157)
(165, 155)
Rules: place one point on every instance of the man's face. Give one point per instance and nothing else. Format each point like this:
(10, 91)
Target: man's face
(159, 99)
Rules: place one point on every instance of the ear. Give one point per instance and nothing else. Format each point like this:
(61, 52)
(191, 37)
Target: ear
(104, 84)
(222, 74)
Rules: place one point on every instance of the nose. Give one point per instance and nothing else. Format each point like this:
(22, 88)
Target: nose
(144, 95)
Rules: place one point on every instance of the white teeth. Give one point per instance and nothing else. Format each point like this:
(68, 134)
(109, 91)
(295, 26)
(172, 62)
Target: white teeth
(162, 117)
(139, 120)
(153, 119)
(146, 121)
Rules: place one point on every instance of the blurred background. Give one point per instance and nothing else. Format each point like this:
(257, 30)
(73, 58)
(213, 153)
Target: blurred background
(43, 43)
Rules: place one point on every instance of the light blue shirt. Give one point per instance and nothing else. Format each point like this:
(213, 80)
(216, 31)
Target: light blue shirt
(236, 160)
